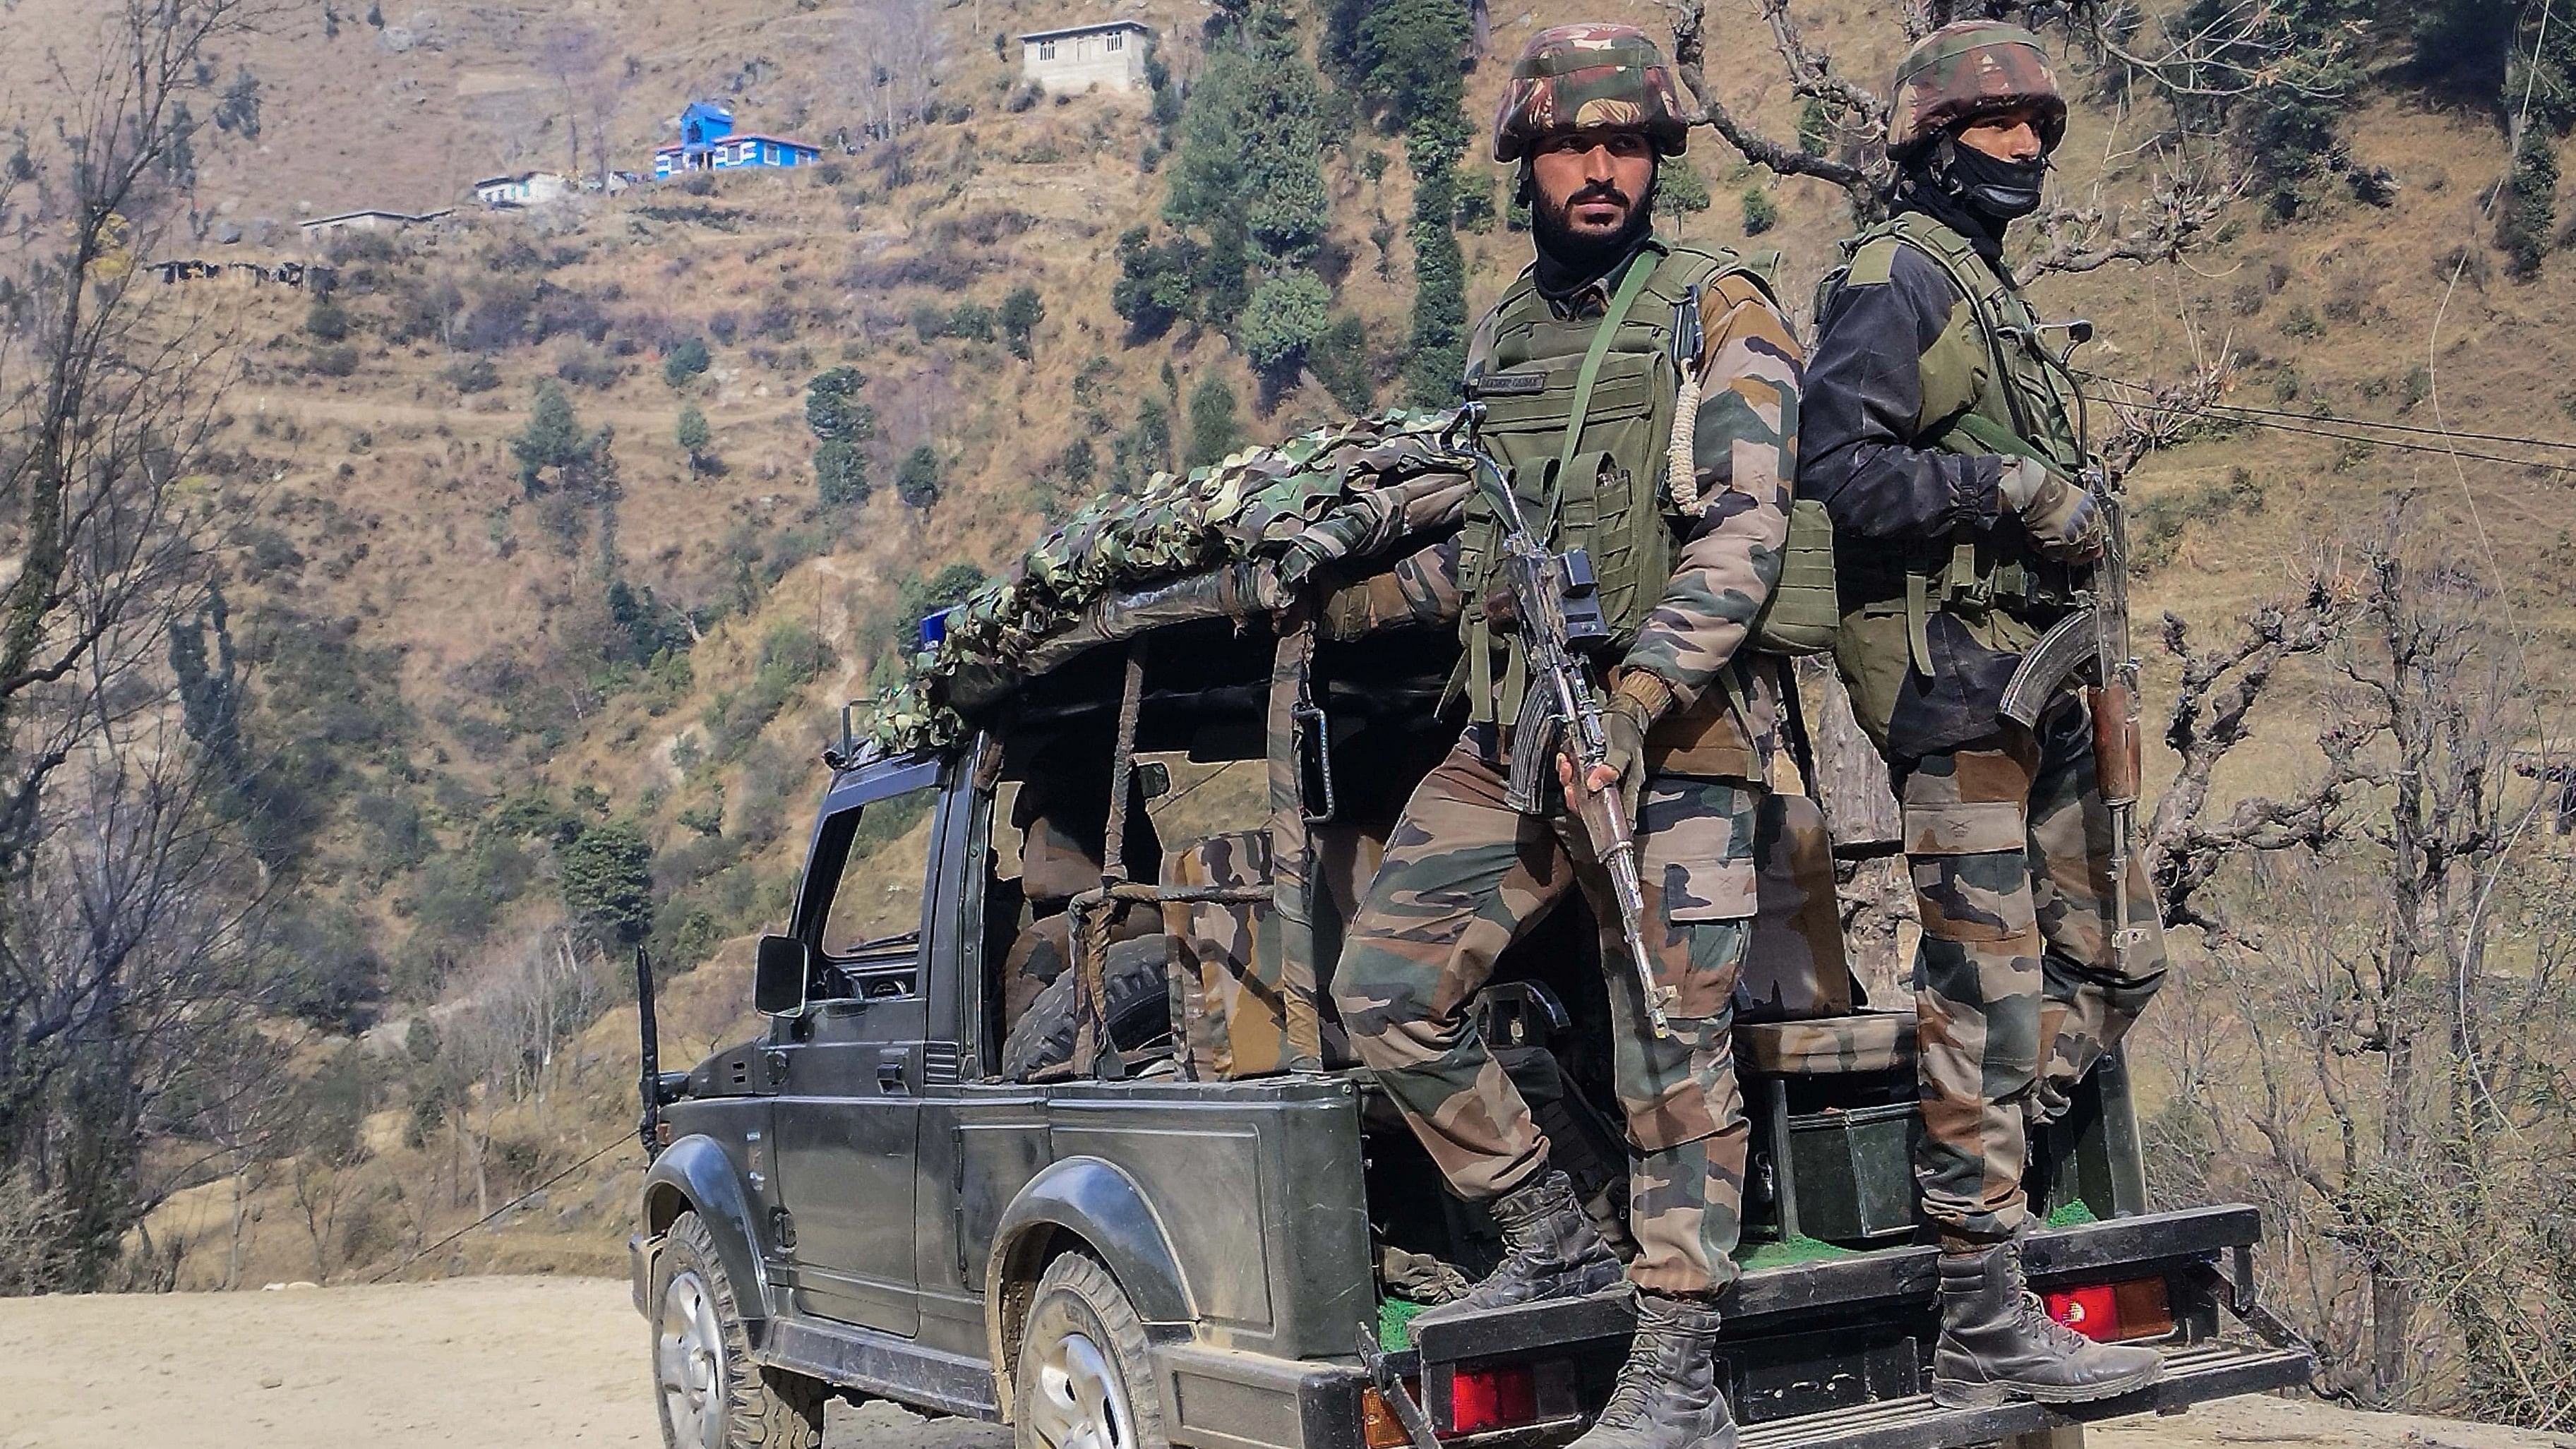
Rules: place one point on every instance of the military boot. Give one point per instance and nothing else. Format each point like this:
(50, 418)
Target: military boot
(1997, 1343)
(1550, 1250)
(1668, 1396)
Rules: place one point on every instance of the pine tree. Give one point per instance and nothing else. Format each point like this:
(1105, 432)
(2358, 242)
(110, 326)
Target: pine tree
(1215, 430)
(917, 481)
(552, 439)
(691, 434)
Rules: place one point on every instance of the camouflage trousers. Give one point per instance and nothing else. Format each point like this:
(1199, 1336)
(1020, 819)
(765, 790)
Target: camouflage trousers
(2018, 989)
(1463, 877)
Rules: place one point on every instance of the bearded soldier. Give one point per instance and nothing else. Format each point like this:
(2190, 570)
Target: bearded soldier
(1942, 434)
(1578, 370)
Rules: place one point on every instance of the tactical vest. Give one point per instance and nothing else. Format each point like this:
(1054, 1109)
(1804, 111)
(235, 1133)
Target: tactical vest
(1583, 446)
(2019, 392)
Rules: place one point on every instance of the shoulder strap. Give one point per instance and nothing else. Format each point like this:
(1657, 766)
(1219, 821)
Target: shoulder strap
(1977, 282)
(1631, 286)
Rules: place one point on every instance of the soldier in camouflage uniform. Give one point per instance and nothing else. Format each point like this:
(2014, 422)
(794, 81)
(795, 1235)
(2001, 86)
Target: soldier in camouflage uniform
(1579, 379)
(1941, 436)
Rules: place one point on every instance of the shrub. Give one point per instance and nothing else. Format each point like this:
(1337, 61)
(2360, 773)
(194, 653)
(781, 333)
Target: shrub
(585, 366)
(1679, 189)
(1154, 282)
(2530, 203)
(1339, 360)
(840, 475)
(474, 375)
(1021, 313)
(327, 320)
(972, 321)
(1214, 429)
(1284, 314)
(916, 482)
(1077, 463)
(690, 432)
(1761, 213)
(337, 360)
(687, 358)
(608, 881)
(829, 412)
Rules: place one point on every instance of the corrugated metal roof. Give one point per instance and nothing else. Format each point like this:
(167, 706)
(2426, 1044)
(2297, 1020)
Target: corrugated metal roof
(1091, 29)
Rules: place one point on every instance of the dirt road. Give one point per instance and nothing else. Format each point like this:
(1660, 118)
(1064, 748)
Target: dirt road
(561, 1361)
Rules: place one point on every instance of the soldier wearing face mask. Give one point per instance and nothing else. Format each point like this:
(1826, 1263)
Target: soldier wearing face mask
(1941, 434)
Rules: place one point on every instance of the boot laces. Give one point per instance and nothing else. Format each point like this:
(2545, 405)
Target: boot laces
(2048, 1330)
(1649, 1365)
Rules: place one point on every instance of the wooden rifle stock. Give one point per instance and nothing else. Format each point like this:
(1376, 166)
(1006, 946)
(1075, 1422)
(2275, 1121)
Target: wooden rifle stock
(2115, 742)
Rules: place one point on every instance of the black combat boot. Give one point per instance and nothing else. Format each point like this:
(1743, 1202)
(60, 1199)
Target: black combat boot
(1998, 1344)
(1668, 1396)
(1550, 1250)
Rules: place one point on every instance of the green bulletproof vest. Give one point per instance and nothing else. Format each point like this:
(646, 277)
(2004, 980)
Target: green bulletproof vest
(2020, 400)
(1584, 453)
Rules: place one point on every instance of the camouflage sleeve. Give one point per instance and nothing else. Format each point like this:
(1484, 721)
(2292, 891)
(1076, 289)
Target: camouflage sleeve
(1746, 450)
(1880, 377)
(1420, 591)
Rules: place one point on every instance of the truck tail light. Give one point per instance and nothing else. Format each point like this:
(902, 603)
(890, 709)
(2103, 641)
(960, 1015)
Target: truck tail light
(1503, 1396)
(2113, 1312)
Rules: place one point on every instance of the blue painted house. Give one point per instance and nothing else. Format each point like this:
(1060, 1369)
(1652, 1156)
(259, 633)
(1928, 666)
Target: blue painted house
(708, 142)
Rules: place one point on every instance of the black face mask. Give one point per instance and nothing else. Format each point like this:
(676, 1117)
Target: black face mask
(1994, 188)
(1566, 261)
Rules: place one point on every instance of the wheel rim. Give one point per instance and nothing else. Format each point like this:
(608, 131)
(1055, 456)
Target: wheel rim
(1080, 1402)
(688, 1362)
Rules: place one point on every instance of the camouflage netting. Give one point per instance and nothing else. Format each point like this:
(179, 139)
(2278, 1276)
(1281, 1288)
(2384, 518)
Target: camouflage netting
(1243, 533)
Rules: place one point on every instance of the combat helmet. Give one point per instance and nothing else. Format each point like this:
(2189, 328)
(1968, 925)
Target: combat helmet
(1589, 77)
(1968, 69)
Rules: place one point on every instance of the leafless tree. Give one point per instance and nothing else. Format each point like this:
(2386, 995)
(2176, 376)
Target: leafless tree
(576, 55)
(122, 905)
(896, 49)
(2151, 198)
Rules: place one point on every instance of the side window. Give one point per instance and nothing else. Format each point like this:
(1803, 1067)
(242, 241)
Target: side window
(875, 908)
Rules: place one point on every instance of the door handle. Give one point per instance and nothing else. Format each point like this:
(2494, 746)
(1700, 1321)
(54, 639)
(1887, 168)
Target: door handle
(890, 1080)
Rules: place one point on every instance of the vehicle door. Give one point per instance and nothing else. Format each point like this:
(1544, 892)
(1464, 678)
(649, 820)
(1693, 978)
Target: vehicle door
(847, 1121)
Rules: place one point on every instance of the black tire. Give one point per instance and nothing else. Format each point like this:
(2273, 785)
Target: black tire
(1083, 1365)
(1139, 1005)
(709, 1363)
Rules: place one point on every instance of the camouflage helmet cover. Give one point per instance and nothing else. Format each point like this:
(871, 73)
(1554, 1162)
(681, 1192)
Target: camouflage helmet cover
(1966, 70)
(1589, 77)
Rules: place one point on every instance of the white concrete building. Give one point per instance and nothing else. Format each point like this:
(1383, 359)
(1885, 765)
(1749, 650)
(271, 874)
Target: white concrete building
(1108, 56)
(527, 188)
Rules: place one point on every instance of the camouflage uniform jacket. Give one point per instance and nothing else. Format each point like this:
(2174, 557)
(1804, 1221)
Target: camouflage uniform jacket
(1902, 354)
(1727, 551)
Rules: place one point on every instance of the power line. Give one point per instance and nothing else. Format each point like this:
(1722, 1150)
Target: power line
(2513, 438)
(2270, 418)
(503, 1208)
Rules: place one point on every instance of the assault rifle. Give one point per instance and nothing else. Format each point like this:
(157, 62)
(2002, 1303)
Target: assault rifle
(1550, 600)
(2097, 634)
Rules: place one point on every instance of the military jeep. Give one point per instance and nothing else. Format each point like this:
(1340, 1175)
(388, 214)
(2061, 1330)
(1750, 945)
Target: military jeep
(1052, 1124)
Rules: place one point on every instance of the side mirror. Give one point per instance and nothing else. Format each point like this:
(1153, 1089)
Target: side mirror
(1153, 779)
(779, 974)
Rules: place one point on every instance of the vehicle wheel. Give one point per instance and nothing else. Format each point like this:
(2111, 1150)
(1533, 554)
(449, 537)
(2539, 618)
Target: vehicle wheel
(1083, 1380)
(1139, 1006)
(709, 1392)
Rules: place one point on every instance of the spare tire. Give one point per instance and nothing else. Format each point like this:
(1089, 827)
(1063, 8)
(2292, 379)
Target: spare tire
(1138, 1006)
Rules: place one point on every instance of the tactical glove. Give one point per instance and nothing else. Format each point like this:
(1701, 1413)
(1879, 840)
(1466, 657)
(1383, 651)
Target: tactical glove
(1630, 712)
(2064, 521)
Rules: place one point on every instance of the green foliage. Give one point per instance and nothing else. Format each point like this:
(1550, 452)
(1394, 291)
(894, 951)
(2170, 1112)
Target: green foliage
(1251, 145)
(2530, 205)
(1408, 56)
(916, 595)
(552, 439)
(238, 111)
(1285, 313)
(831, 410)
(1154, 283)
(841, 475)
(916, 481)
(608, 881)
(1761, 213)
(972, 321)
(1077, 463)
(687, 358)
(790, 656)
(690, 432)
(1678, 187)
(1215, 430)
(327, 320)
(1437, 350)
(1143, 449)
(473, 375)
(643, 626)
(1021, 312)
(1339, 359)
